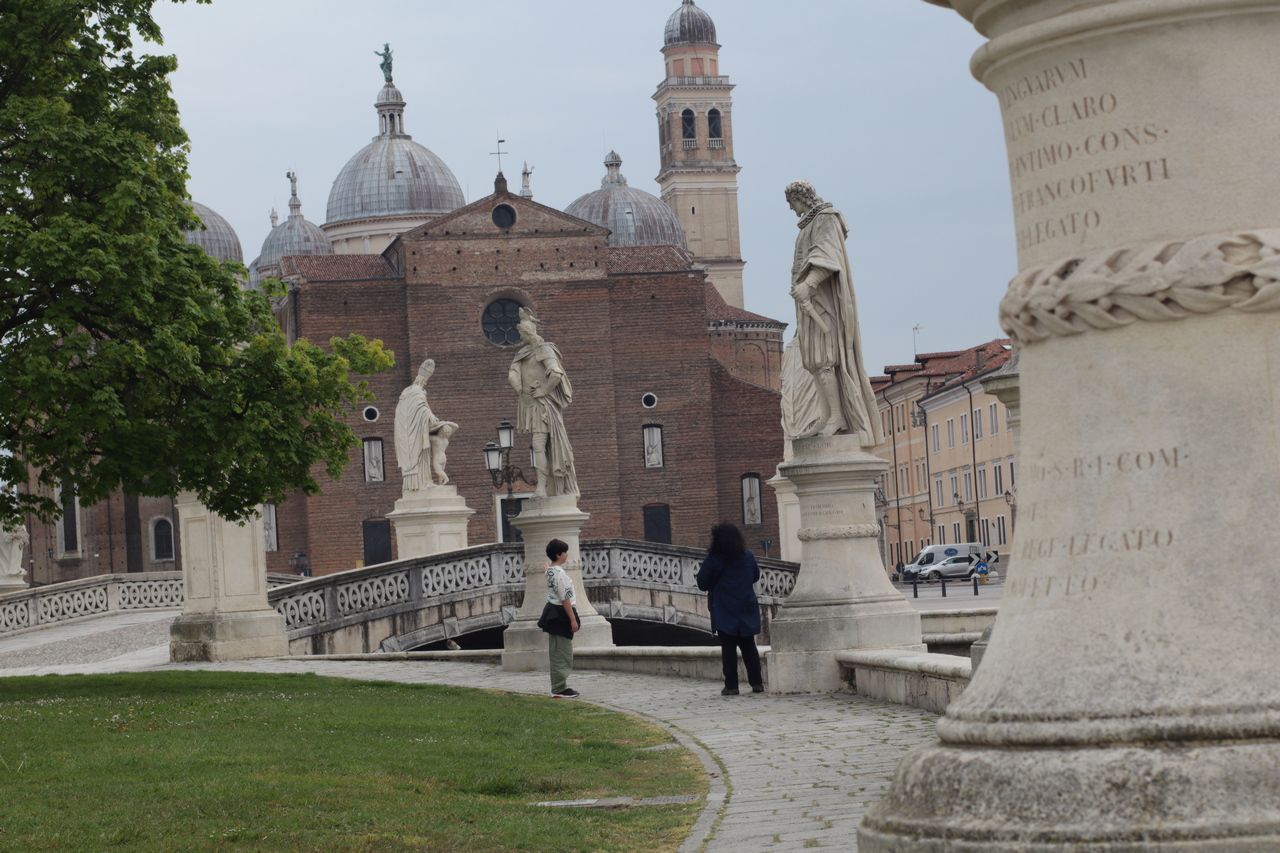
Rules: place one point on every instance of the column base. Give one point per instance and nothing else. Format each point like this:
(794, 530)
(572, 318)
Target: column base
(804, 640)
(524, 644)
(431, 521)
(1173, 796)
(10, 584)
(227, 636)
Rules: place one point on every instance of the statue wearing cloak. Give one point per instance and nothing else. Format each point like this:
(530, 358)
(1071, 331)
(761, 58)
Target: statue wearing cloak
(544, 392)
(827, 334)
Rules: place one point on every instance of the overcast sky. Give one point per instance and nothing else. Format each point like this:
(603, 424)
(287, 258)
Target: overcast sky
(871, 100)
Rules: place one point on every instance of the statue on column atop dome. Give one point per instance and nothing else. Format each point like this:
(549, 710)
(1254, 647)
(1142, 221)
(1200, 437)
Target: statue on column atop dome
(538, 377)
(385, 65)
(827, 334)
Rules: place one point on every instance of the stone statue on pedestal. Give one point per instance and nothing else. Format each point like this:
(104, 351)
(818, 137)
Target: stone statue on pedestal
(538, 377)
(421, 437)
(12, 541)
(827, 322)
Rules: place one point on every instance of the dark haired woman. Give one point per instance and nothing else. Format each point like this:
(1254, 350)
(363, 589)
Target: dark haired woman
(728, 574)
(560, 620)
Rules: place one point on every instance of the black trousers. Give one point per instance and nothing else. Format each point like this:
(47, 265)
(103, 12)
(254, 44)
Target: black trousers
(729, 646)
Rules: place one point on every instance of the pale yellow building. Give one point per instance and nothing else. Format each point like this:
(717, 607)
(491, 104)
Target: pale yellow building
(932, 437)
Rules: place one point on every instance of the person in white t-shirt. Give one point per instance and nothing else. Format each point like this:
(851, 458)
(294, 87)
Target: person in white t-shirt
(559, 620)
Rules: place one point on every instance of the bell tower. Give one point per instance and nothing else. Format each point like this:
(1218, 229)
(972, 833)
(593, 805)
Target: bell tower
(699, 177)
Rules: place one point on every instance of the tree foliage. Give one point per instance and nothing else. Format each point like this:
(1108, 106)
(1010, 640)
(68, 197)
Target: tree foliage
(128, 357)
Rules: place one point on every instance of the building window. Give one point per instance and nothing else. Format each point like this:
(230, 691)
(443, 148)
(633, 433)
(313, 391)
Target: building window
(982, 481)
(997, 474)
(951, 432)
(678, 67)
(955, 488)
(374, 471)
(657, 523)
(270, 538)
(751, 500)
(986, 532)
(714, 129)
(688, 128)
(652, 446)
(499, 322)
(968, 486)
(937, 485)
(977, 424)
(68, 526)
(161, 540)
(955, 531)
(995, 423)
(942, 534)
(936, 445)
(964, 429)
(1013, 481)
(1000, 534)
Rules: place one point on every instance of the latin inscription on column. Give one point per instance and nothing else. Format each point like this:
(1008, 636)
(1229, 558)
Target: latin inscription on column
(1073, 141)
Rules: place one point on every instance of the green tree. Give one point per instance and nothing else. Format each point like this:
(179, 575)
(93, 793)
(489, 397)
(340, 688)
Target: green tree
(129, 358)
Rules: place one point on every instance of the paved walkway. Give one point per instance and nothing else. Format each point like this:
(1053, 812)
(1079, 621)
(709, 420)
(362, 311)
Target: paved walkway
(795, 772)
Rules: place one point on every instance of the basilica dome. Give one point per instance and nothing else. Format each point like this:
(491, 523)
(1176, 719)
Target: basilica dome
(295, 236)
(633, 217)
(689, 25)
(218, 238)
(392, 176)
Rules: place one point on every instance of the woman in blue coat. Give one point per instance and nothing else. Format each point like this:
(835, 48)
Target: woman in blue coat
(728, 574)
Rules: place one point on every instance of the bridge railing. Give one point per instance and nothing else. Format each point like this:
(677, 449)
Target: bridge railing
(671, 567)
(112, 593)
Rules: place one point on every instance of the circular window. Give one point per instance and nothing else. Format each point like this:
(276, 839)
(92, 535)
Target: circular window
(504, 216)
(370, 414)
(649, 400)
(499, 322)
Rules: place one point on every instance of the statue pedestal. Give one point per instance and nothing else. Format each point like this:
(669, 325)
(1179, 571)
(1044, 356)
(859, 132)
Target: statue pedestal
(225, 615)
(842, 597)
(430, 521)
(524, 645)
(12, 583)
(1130, 695)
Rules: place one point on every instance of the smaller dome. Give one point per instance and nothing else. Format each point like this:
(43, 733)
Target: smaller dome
(389, 94)
(294, 236)
(218, 238)
(633, 217)
(689, 25)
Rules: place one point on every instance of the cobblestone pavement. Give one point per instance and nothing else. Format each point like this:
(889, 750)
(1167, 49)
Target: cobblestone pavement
(794, 772)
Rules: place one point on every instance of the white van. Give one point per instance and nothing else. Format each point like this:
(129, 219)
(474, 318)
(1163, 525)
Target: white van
(934, 554)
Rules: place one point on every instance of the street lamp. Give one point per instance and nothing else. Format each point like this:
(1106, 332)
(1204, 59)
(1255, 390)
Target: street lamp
(300, 564)
(497, 460)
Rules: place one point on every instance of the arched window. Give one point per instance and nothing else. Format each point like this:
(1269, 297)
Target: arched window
(751, 510)
(161, 540)
(688, 129)
(713, 125)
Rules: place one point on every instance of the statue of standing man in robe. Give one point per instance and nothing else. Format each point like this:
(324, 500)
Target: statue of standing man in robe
(421, 437)
(543, 389)
(827, 332)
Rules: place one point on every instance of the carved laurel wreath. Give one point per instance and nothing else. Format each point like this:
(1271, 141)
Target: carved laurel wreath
(1158, 281)
(846, 531)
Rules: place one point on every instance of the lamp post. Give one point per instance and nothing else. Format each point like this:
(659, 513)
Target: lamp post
(497, 460)
(1011, 498)
(300, 564)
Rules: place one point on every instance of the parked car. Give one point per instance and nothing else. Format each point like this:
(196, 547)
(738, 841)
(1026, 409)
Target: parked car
(932, 555)
(952, 567)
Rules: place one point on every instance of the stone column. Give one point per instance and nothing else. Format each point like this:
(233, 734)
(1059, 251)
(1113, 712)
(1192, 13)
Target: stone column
(788, 517)
(430, 521)
(524, 645)
(842, 598)
(225, 615)
(1130, 697)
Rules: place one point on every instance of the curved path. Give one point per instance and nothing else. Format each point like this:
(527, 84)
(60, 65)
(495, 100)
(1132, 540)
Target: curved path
(795, 772)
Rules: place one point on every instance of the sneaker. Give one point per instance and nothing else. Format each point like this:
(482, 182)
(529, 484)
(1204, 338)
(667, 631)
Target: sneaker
(567, 693)
(757, 688)
(729, 691)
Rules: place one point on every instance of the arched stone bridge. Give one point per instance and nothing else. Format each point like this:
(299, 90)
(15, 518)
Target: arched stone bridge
(409, 603)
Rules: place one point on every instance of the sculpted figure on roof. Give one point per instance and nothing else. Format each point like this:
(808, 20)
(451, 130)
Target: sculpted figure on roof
(542, 386)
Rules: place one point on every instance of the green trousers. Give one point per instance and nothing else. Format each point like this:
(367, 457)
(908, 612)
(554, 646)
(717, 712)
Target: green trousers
(560, 653)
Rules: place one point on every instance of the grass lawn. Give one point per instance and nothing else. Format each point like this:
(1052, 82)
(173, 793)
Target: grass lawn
(231, 761)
